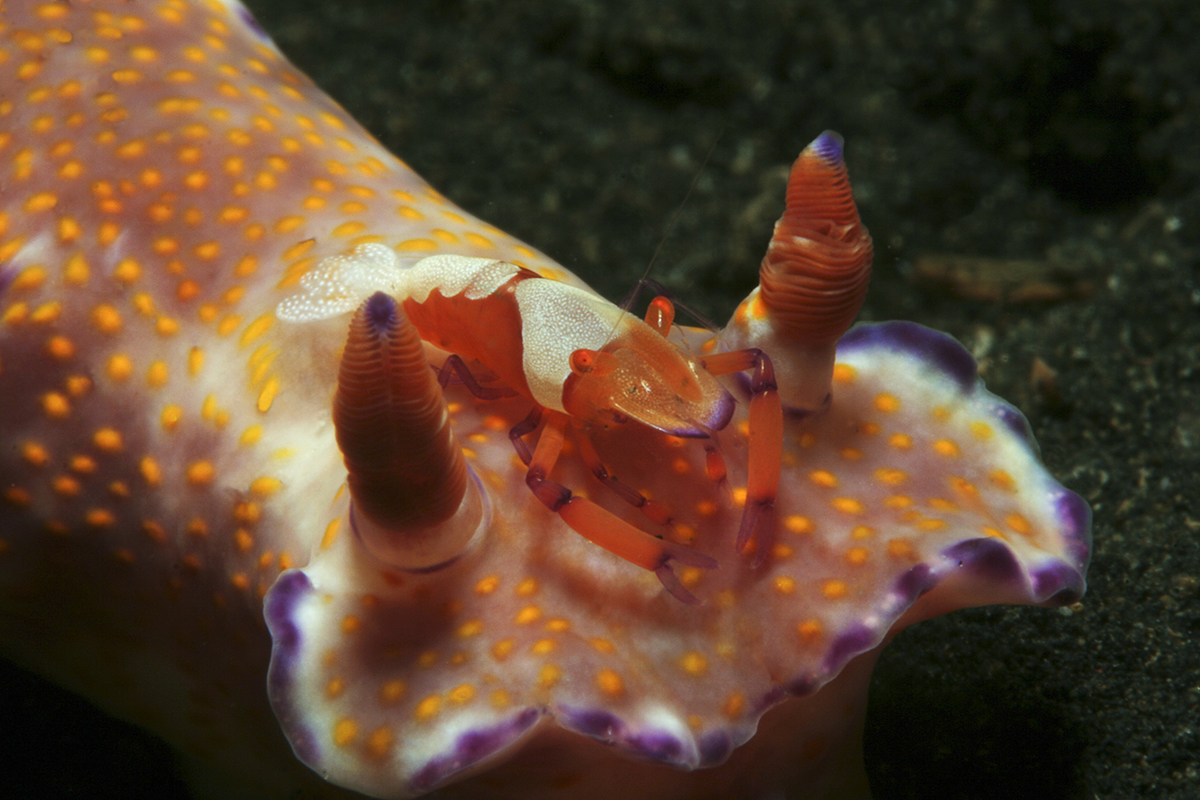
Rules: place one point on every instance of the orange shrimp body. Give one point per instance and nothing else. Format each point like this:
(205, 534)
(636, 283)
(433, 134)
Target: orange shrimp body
(525, 329)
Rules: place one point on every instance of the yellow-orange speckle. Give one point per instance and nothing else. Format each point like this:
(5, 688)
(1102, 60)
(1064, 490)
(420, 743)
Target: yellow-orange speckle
(487, 585)
(602, 645)
(106, 319)
(844, 373)
(527, 587)
(1002, 480)
(345, 732)
(527, 615)
(351, 623)
(543, 647)
(461, 694)
(798, 524)
(693, 663)
(887, 403)
(809, 631)
(945, 447)
(65, 486)
(834, 589)
(549, 675)
(265, 486)
(502, 649)
(35, 454)
(267, 396)
(60, 348)
(392, 691)
(108, 440)
(150, 470)
(734, 705)
(470, 628)
(900, 441)
(610, 683)
(201, 473)
(823, 478)
(1019, 523)
(848, 505)
(857, 556)
(171, 415)
(379, 743)
(99, 518)
(784, 585)
(891, 476)
(157, 375)
(55, 405)
(335, 686)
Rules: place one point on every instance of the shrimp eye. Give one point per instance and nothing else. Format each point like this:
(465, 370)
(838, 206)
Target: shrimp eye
(593, 362)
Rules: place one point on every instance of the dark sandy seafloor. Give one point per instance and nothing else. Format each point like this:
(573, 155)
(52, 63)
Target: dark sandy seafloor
(1054, 145)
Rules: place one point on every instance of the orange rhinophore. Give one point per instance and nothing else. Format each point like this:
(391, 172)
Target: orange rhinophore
(813, 278)
(394, 431)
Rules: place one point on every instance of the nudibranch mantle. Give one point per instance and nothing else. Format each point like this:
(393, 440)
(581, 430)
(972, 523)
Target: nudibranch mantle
(173, 478)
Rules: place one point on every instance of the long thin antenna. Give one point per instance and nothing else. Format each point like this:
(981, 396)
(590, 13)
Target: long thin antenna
(631, 298)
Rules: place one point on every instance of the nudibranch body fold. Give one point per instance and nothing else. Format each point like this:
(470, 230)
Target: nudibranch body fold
(187, 228)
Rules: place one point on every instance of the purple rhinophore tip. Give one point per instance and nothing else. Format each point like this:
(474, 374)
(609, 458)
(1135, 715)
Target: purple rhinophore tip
(381, 310)
(829, 147)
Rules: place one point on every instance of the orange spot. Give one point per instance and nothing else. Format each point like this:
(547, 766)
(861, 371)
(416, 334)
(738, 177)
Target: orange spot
(106, 319)
(527, 615)
(345, 732)
(734, 705)
(823, 478)
(887, 403)
(55, 405)
(857, 556)
(107, 440)
(201, 473)
(945, 447)
(834, 589)
(784, 585)
(610, 683)
(1019, 524)
(379, 743)
(171, 415)
(60, 348)
(848, 505)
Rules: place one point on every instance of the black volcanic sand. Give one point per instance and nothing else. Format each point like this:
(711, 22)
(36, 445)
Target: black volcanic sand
(1060, 139)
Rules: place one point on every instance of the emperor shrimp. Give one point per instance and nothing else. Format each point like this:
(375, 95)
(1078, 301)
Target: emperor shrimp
(581, 360)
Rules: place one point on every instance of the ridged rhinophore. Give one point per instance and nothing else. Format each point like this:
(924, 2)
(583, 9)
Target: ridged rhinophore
(814, 276)
(407, 474)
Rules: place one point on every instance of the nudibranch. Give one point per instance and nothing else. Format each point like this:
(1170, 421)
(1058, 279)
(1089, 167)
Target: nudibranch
(303, 547)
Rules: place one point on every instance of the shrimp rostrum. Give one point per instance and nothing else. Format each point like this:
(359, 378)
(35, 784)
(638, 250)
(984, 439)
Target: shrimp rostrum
(584, 362)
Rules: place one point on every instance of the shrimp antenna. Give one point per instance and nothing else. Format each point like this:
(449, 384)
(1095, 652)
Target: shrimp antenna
(631, 298)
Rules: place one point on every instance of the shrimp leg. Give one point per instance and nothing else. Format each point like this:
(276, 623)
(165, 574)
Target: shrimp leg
(765, 446)
(600, 526)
